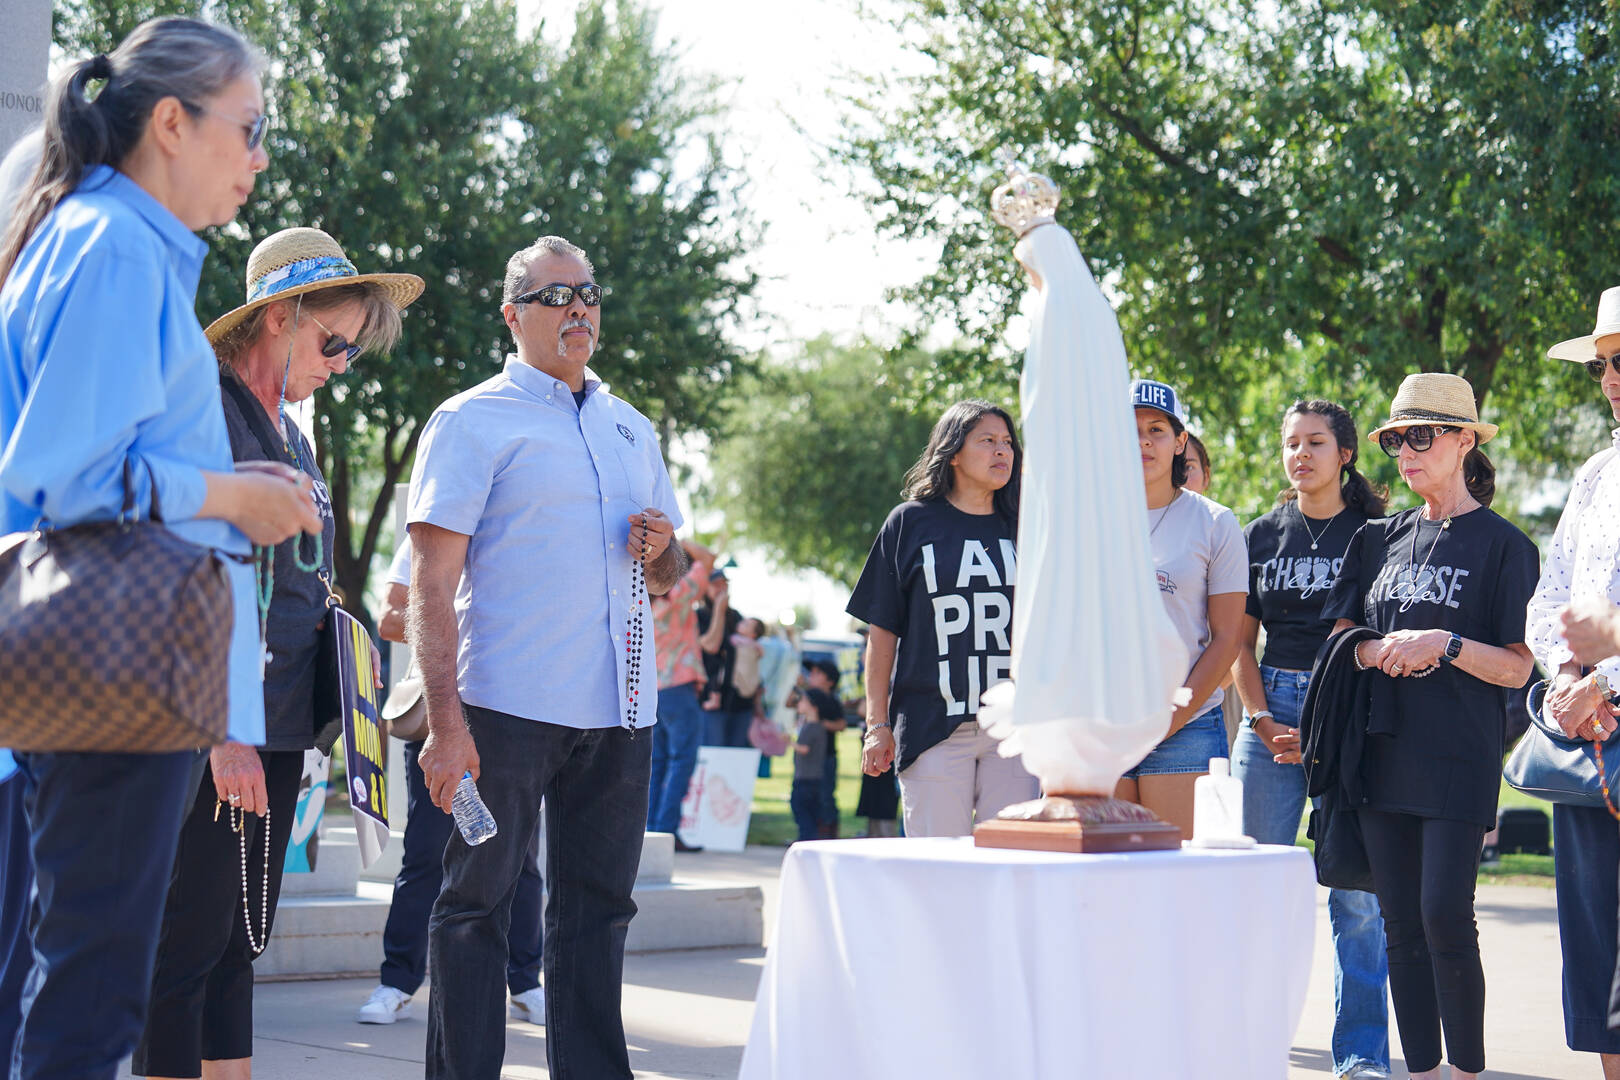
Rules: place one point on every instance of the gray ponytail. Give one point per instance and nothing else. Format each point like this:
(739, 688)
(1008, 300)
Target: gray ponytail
(175, 57)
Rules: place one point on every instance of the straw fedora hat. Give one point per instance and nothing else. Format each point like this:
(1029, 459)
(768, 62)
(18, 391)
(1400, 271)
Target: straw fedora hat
(297, 261)
(1582, 349)
(1434, 397)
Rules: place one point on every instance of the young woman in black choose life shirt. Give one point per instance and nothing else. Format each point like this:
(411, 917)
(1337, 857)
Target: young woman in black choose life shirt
(1295, 553)
(1447, 585)
(937, 592)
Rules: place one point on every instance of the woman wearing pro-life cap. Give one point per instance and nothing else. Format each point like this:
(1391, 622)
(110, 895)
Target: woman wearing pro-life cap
(309, 314)
(1446, 583)
(1203, 573)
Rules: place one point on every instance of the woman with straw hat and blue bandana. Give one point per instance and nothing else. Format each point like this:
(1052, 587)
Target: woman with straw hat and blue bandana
(1446, 585)
(309, 314)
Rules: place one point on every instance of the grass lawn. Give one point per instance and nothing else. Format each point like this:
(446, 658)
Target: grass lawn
(772, 822)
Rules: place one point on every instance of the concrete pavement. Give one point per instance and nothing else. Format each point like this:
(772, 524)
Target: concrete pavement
(687, 1013)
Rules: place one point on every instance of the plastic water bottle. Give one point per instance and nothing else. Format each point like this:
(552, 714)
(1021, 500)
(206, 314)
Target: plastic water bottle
(473, 818)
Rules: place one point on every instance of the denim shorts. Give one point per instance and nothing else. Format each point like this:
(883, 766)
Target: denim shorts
(1188, 750)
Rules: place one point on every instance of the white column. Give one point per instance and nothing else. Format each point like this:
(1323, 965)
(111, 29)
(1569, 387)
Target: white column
(25, 42)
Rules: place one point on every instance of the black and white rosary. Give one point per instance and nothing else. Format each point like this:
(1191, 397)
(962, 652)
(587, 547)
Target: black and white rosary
(634, 634)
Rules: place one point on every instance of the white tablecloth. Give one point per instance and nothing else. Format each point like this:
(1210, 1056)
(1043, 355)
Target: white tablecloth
(913, 958)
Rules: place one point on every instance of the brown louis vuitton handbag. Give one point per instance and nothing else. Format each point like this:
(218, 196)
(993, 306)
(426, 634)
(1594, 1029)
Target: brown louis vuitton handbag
(114, 637)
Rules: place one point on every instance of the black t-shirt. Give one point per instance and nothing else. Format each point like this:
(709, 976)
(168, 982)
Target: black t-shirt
(1289, 579)
(1437, 752)
(827, 708)
(718, 666)
(298, 604)
(942, 581)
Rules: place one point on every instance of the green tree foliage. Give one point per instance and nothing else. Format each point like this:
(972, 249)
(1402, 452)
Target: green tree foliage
(431, 136)
(1307, 196)
(812, 454)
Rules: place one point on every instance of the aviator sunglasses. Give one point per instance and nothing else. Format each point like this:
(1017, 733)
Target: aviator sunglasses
(559, 295)
(336, 343)
(1419, 437)
(1595, 367)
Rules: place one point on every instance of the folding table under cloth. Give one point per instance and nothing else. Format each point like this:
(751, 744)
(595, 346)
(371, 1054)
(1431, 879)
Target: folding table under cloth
(930, 958)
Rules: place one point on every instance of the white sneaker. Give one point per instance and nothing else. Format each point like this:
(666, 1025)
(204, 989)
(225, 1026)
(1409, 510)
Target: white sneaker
(384, 1006)
(530, 1006)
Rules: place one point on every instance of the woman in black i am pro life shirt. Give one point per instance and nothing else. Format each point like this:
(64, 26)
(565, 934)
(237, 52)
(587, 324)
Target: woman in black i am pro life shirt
(1446, 584)
(937, 591)
(1295, 553)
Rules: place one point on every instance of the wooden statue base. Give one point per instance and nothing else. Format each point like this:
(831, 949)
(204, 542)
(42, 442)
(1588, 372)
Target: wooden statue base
(1080, 823)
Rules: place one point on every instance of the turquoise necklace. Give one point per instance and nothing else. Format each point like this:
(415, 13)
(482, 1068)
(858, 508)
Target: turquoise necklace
(264, 555)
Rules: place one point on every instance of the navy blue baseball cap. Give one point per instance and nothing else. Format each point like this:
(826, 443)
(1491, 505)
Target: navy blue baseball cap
(1148, 394)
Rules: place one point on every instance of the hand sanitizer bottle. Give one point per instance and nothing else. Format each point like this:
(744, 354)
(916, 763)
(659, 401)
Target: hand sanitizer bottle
(1218, 808)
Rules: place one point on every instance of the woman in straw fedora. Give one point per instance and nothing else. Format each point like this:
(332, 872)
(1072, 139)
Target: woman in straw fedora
(309, 314)
(1446, 584)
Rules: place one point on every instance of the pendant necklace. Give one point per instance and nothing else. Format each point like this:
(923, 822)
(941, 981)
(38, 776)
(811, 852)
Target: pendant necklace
(1316, 538)
(1163, 513)
(1417, 574)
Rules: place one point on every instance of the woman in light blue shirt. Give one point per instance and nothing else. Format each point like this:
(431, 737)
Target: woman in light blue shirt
(102, 361)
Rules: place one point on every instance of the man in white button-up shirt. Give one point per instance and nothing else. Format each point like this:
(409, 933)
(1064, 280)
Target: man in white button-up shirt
(1582, 566)
(533, 497)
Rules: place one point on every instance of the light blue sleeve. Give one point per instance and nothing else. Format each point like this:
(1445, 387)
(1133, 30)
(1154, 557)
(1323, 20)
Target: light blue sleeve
(8, 766)
(663, 490)
(94, 374)
(454, 471)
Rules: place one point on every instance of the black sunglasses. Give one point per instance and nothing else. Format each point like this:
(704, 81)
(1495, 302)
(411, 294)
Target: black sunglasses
(1595, 367)
(336, 343)
(559, 295)
(1419, 437)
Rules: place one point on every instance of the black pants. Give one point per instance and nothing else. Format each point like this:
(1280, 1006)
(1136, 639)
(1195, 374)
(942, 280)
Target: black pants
(1424, 871)
(202, 985)
(421, 874)
(16, 894)
(595, 788)
(103, 829)
(1586, 860)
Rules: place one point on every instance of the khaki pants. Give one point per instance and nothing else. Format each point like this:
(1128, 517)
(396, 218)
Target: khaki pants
(953, 780)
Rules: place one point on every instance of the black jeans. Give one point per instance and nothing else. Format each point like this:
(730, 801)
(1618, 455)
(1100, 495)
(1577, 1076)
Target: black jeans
(1424, 871)
(421, 874)
(595, 788)
(1586, 860)
(202, 984)
(103, 828)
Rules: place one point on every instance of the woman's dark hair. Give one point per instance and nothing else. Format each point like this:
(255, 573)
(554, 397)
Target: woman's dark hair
(1196, 446)
(1480, 475)
(1359, 493)
(932, 476)
(174, 57)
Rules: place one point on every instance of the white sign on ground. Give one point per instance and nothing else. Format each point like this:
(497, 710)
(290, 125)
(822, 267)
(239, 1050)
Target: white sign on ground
(25, 42)
(720, 799)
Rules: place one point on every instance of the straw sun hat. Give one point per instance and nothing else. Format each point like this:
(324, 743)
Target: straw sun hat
(297, 261)
(1582, 349)
(1433, 397)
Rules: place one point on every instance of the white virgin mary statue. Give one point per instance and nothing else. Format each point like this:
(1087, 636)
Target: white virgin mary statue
(1097, 665)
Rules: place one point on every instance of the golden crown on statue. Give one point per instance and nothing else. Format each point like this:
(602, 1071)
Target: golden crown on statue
(1026, 200)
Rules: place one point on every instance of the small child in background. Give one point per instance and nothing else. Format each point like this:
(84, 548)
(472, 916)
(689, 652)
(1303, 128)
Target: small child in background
(745, 677)
(810, 760)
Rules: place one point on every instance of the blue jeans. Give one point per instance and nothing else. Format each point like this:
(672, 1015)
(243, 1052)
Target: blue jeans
(1189, 750)
(421, 874)
(104, 828)
(16, 895)
(805, 802)
(594, 783)
(722, 728)
(676, 738)
(1273, 802)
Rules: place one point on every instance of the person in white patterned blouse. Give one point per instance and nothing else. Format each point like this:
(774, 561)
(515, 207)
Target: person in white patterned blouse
(1582, 567)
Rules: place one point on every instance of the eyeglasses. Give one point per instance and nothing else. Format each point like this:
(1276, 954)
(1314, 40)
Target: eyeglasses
(336, 343)
(559, 295)
(1419, 437)
(254, 130)
(1596, 367)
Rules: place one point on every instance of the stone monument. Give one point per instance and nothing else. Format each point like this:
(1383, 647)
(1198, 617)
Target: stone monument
(25, 42)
